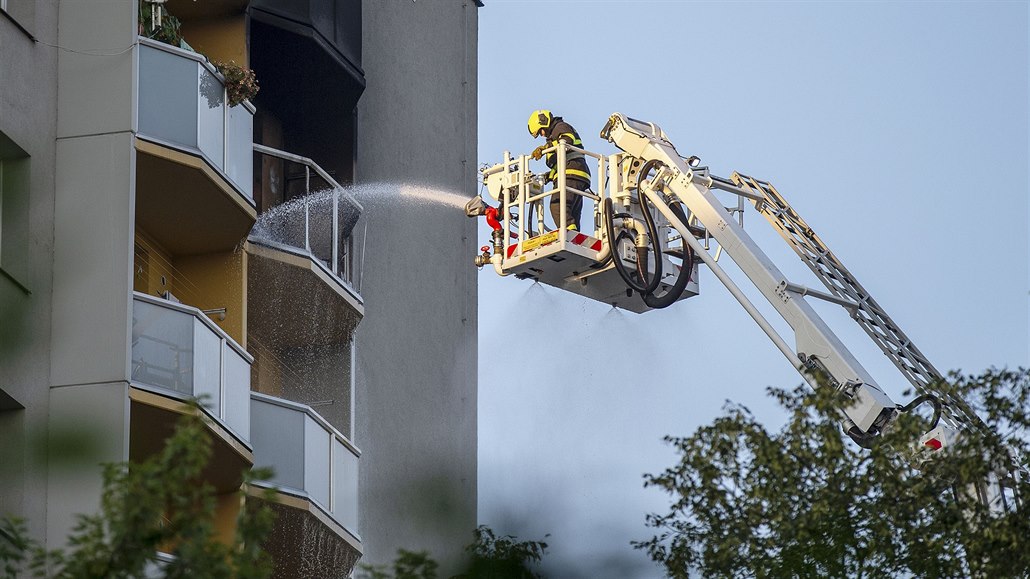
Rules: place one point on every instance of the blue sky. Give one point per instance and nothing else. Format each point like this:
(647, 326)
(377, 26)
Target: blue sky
(898, 131)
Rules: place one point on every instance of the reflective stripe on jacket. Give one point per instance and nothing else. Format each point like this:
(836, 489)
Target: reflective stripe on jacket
(575, 164)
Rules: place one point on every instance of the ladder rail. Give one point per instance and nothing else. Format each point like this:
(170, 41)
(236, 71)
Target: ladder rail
(870, 316)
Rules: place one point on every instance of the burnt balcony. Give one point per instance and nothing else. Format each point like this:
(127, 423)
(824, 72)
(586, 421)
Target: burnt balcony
(312, 217)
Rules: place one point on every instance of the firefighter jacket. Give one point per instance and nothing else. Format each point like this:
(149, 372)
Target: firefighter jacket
(575, 164)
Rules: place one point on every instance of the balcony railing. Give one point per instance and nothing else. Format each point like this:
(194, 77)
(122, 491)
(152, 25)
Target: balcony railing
(317, 220)
(182, 104)
(310, 458)
(178, 351)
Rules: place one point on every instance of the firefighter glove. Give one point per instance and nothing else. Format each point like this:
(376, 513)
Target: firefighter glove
(538, 152)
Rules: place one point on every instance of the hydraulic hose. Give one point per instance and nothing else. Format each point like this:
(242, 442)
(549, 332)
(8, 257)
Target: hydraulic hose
(935, 401)
(646, 287)
(613, 241)
(682, 279)
(652, 232)
(677, 288)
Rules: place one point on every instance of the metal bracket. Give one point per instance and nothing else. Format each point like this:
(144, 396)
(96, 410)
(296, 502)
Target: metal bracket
(786, 286)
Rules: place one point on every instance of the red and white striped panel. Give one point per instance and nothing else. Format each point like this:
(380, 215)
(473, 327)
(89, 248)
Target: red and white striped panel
(580, 239)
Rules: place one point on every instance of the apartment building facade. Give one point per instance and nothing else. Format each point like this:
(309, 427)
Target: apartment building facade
(160, 243)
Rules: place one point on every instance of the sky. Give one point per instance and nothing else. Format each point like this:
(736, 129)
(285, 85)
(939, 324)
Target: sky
(899, 132)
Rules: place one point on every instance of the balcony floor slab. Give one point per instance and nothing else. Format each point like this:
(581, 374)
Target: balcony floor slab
(185, 204)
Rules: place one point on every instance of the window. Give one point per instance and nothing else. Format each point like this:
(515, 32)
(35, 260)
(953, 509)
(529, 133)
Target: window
(14, 211)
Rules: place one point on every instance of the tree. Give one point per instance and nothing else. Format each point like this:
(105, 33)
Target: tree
(490, 557)
(806, 501)
(158, 504)
(503, 557)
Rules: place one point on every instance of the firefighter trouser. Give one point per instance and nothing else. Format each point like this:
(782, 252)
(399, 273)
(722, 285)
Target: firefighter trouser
(573, 203)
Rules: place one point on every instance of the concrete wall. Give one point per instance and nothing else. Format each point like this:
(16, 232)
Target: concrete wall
(28, 112)
(416, 347)
(93, 246)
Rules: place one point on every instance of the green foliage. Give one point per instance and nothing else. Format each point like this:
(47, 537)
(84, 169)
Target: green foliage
(491, 557)
(407, 565)
(806, 501)
(502, 557)
(159, 504)
(240, 82)
(168, 31)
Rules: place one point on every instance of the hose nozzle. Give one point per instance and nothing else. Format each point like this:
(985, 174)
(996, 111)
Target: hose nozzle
(476, 207)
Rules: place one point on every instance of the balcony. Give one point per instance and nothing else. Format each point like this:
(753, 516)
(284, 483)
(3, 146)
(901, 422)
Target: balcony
(182, 103)
(316, 479)
(301, 248)
(178, 352)
(316, 220)
(194, 160)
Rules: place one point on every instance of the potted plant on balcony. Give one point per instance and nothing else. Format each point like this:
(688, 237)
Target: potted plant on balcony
(155, 22)
(240, 82)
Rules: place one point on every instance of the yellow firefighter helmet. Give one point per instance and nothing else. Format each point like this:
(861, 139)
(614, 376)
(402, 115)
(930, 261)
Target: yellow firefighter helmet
(539, 120)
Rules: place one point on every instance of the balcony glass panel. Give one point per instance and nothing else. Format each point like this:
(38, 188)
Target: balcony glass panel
(182, 103)
(211, 113)
(176, 349)
(162, 347)
(239, 163)
(237, 390)
(316, 461)
(345, 487)
(207, 348)
(168, 96)
(278, 436)
(307, 455)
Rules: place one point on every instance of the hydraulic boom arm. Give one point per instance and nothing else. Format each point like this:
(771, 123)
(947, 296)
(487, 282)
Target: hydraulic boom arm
(816, 346)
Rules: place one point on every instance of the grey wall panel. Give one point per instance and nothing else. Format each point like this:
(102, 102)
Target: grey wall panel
(99, 414)
(93, 245)
(416, 347)
(97, 92)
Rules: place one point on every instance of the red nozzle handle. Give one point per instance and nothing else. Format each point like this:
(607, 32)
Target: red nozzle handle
(491, 218)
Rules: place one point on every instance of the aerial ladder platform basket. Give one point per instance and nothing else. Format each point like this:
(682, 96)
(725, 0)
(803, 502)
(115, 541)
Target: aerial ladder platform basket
(528, 245)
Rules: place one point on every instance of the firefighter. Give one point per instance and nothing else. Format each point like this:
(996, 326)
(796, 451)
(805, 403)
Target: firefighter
(577, 174)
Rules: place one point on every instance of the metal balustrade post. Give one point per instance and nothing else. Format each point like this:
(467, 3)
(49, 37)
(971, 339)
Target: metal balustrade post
(225, 129)
(336, 231)
(221, 379)
(332, 475)
(307, 211)
(562, 195)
